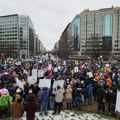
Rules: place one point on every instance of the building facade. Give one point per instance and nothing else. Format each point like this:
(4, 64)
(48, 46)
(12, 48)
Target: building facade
(95, 33)
(17, 36)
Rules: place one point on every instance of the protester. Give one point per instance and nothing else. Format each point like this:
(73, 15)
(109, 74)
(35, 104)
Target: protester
(68, 97)
(30, 94)
(17, 109)
(59, 95)
(30, 107)
(44, 97)
(5, 101)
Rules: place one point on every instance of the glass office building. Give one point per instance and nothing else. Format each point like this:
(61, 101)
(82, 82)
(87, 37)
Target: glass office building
(98, 32)
(16, 36)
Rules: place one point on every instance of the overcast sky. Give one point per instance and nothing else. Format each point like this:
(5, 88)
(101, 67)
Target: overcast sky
(50, 17)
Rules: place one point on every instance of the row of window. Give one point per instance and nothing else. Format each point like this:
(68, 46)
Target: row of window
(12, 38)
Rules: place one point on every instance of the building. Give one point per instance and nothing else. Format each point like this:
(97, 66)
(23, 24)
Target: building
(95, 33)
(17, 36)
(99, 32)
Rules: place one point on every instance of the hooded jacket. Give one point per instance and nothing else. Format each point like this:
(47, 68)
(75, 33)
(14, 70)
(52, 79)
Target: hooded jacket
(59, 94)
(5, 100)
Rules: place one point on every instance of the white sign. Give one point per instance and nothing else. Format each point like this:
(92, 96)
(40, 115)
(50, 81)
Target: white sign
(40, 73)
(59, 67)
(58, 83)
(90, 74)
(75, 69)
(64, 62)
(34, 72)
(20, 84)
(45, 83)
(55, 69)
(117, 108)
(32, 79)
(49, 66)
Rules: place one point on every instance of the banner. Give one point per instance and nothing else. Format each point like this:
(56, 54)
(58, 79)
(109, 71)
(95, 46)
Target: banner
(32, 79)
(40, 73)
(19, 83)
(45, 83)
(34, 72)
(58, 83)
(117, 108)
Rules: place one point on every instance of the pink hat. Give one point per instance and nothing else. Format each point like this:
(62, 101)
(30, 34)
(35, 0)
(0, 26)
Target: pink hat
(4, 91)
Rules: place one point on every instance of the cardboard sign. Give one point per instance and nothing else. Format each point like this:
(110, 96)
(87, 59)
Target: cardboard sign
(45, 83)
(58, 83)
(117, 108)
(20, 83)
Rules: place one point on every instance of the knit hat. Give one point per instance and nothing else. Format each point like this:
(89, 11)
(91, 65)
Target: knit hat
(4, 91)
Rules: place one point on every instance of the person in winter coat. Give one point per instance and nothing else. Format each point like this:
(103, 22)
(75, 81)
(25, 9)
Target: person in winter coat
(90, 93)
(17, 109)
(101, 98)
(78, 96)
(44, 100)
(30, 107)
(68, 96)
(59, 94)
(5, 101)
(113, 97)
(30, 94)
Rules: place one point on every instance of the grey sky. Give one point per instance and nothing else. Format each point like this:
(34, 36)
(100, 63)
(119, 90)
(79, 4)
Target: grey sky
(50, 17)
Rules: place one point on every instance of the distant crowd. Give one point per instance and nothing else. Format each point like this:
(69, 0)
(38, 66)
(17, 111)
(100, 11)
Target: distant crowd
(85, 83)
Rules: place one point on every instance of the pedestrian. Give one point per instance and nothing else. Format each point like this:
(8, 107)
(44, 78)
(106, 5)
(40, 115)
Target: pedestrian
(17, 109)
(30, 107)
(59, 95)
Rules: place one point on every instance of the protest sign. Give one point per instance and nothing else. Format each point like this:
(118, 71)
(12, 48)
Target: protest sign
(58, 83)
(55, 69)
(34, 72)
(32, 79)
(76, 62)
(40, 73)
(117, 108)
(75, 69)
(64, 62)
(20, 83)
(49, 66)
(90, 74)
(45, 83)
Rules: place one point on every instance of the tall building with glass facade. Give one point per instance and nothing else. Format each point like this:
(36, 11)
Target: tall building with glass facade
(17, 36)
(97, 32)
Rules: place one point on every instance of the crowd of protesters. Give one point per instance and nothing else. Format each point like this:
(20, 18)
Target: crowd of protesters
(80, 88)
